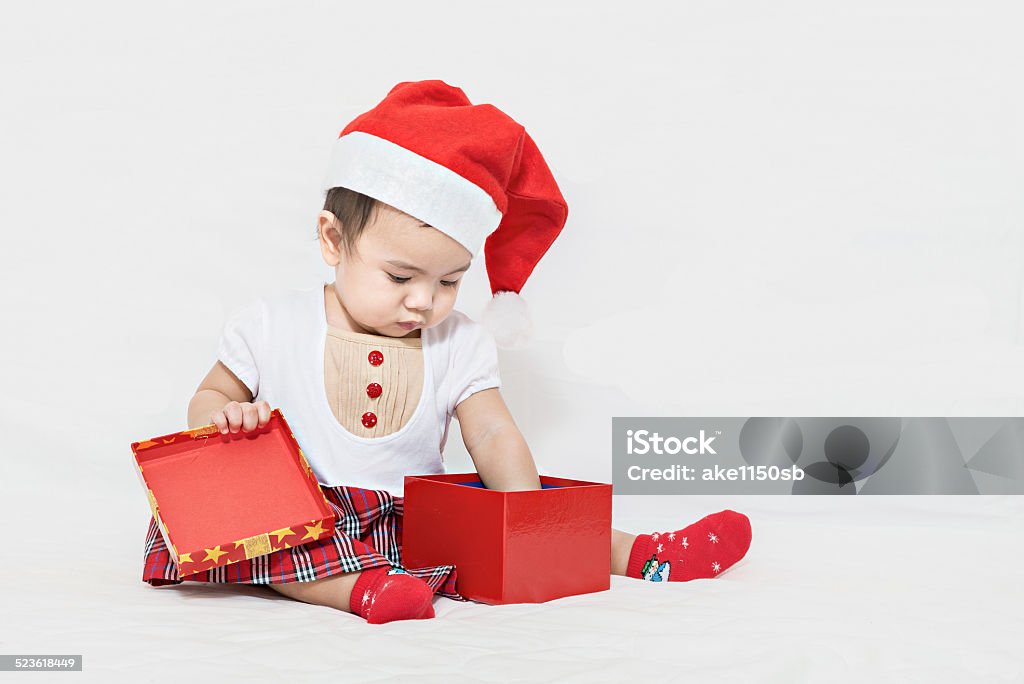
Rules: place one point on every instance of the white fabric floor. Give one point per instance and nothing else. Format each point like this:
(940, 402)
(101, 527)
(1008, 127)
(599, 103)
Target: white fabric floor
(869, 588)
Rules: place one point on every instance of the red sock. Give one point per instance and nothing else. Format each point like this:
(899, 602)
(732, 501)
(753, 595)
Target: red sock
(705, 549)
(384, 593)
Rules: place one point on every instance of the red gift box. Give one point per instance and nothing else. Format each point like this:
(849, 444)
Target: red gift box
(220, 499)
(511, 547)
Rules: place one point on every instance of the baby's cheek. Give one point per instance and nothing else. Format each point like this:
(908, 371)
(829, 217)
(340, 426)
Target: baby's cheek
(448, 302)
(381, 300)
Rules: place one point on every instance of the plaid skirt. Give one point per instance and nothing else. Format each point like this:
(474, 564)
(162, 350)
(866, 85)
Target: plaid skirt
(367, 534)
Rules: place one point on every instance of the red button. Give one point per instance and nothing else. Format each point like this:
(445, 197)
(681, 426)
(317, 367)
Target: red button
(376, 358)
(373, 390)
(369, 420)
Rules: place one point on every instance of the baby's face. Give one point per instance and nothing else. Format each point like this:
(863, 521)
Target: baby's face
(400, 272)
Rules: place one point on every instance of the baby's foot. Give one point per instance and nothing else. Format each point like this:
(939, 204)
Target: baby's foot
(705, 549)
(384, 594)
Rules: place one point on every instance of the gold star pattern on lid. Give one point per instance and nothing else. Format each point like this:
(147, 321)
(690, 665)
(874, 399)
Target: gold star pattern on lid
(214, 554)
(282, 533)
(185, 557)
(314, 531)
(304, 462)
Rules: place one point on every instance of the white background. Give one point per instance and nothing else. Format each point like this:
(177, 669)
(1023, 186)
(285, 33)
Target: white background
(773, 210)
(785, 208)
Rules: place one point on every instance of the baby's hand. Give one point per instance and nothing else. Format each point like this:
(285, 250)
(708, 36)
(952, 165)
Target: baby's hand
(242, 415)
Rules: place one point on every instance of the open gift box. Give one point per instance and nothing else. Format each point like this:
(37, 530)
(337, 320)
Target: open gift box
(220, 499)
(510, 547)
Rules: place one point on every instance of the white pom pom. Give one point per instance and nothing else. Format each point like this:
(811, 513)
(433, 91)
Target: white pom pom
(507, 318)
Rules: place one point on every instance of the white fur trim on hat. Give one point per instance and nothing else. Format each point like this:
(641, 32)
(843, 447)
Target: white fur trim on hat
(507, 317)
(411, 183)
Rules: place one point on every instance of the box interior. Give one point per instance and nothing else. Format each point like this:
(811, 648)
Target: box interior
(480, 485)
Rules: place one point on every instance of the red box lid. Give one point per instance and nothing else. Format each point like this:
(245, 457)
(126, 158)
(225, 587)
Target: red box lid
(220, 498)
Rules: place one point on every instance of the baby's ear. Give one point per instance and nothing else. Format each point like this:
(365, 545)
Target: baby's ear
(327, 220)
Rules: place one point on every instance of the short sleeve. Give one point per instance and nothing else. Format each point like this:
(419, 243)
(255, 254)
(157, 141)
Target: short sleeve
(474, 361)
(241, 343)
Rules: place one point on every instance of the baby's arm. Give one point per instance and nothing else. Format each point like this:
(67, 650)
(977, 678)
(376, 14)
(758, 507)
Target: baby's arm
(498, 450)
(224, 400)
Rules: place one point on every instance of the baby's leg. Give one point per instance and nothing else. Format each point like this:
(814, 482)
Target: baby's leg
(333, 592)
(622, 544)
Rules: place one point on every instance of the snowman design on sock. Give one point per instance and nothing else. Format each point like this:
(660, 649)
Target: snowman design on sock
(655, 572)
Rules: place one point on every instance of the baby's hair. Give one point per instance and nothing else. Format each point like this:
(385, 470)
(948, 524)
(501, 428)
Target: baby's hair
(354, 210)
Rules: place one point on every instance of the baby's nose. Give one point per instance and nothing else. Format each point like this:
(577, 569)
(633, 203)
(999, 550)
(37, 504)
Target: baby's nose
(419, 302)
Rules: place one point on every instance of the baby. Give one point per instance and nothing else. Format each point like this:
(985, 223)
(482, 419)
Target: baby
(369, 369)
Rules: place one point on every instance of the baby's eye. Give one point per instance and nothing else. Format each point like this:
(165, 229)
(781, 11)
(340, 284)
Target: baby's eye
(398, 279)
(449, 283)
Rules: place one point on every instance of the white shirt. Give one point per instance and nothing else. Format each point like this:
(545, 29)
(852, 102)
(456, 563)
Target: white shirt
(275, 345)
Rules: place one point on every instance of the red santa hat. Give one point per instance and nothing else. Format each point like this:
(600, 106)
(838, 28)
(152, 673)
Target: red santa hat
(468, 170)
